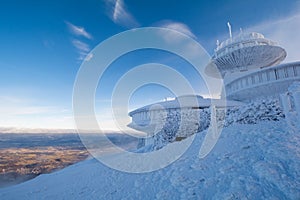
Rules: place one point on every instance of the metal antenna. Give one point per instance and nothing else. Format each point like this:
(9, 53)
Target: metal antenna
(229, 28)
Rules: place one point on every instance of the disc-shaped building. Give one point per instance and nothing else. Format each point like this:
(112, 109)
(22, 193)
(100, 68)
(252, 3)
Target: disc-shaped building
(250, 66)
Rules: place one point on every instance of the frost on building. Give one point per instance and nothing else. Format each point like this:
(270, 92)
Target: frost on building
(249, 65)
(290, 101)
(174, 120)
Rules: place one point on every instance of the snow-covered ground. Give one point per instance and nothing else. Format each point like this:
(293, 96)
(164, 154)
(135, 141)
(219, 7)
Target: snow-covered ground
(250, 161)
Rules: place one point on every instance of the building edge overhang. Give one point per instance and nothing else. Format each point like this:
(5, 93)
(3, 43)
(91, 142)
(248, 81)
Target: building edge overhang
(264, 56)
(200, 104)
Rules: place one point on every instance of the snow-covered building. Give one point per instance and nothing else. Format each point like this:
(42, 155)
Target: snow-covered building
(171, 120)
(249, 65)
(270, 81)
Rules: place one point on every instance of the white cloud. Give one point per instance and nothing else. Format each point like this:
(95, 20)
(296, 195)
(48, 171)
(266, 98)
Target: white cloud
(23, 110)
(78, 31)
(83, 50)
(18, 112)
(19, 123)
(81, 46)
(177, 26)
(173, 37)
(89, 57)
(11, 106)
(85, 56)
(285, 31)
(120, 15)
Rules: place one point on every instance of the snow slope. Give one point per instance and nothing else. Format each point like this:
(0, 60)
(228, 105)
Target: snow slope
(258, 161)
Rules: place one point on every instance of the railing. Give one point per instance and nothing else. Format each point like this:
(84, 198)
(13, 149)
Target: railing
(282, 72)
(239, 38)
(241, 44)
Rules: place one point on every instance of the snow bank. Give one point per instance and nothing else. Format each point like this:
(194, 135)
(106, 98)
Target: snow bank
(250, 161)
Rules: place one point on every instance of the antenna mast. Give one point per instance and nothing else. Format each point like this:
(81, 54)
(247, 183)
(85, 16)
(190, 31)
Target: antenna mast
(229, 28)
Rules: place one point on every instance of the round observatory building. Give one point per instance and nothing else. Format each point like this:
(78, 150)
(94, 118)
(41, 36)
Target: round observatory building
(245, 52)
(248, 63)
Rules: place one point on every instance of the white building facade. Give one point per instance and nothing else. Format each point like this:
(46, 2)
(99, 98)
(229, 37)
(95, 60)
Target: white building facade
(249, 65)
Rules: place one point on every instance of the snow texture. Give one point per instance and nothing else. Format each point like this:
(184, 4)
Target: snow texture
(195, 120)
(250, 161)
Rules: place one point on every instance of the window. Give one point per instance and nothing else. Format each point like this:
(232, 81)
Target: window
(245, 82)
(260, 78)
(229, 88)
(296, 70)
(276, 74)
(264, 76)
(236, 85)
(240, 83)
(290, 72)
(281, 73)
(285, 73)
(268, 75)
(249, 80)
(256, 78)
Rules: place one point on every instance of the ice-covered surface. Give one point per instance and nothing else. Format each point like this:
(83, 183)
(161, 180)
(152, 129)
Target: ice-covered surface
(193, 121)
(188, 101)
(250, 161)
(290, 101)
(255, 112)
(181, 123)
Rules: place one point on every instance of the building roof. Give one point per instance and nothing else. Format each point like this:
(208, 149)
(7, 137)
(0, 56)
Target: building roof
(244, 52)
(187, 101)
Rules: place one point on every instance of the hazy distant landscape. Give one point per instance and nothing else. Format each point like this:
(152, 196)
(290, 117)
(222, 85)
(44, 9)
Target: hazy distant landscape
(25, 156)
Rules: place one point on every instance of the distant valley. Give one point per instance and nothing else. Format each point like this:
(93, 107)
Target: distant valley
(25, 156)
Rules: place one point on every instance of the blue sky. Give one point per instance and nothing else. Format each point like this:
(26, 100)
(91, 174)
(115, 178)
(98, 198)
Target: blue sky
(44, 42)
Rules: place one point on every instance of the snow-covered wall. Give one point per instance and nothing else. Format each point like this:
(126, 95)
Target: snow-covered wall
(291, 105)
(267, 82)
(195, 120)
(180, 124)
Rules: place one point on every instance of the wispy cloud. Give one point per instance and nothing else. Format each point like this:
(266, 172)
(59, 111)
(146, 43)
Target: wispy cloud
(85, 56)
(24, 110)
(285, 31)
(82, 47)
(20, 112)
(171, 36)
(13, 106)
(177, 26)
(176, 39)
(78, 31)
(120, 15)
(83, 50)
(34, 130)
